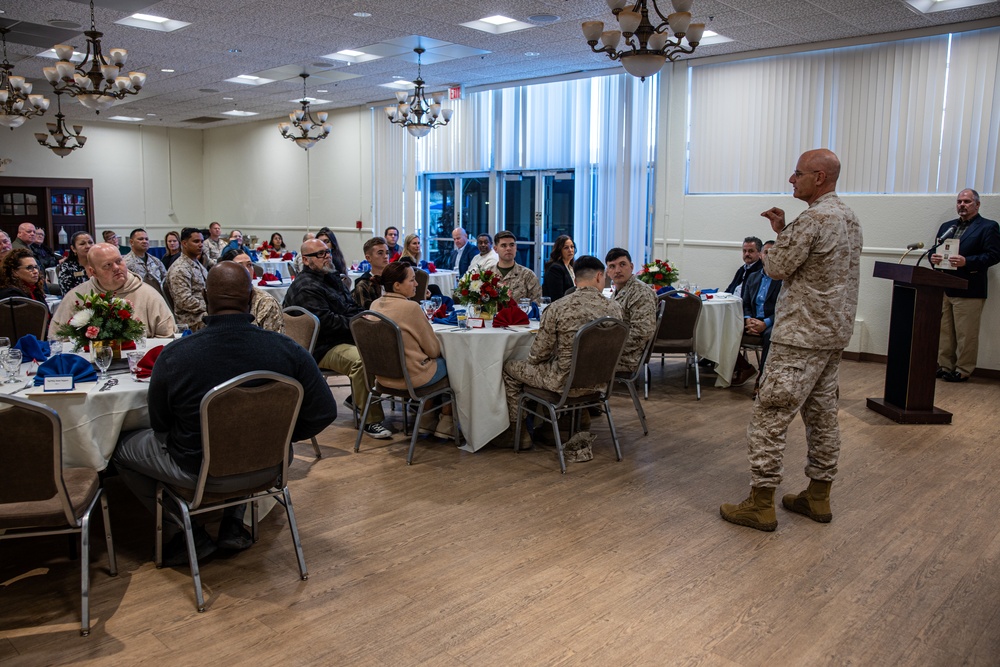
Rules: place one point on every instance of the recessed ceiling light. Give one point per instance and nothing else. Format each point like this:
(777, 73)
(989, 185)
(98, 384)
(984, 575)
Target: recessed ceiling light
(238, 112)
(362, 15)
(151, 114)
(151, 22)
(249, 80)
(311, 100)
(497, 19)
(397, 76)
(398, 85)
(234, 51)
(128, 118)
(322, 90)
(227, 98)
(532, 54)
(168, 71)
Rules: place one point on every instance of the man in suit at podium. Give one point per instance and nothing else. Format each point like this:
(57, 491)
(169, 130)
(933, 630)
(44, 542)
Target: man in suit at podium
(978, 250)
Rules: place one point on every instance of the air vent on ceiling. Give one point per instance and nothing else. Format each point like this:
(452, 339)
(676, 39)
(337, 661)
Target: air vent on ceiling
(207, 90)
(63, 23)
(543, 18)
(202, 120)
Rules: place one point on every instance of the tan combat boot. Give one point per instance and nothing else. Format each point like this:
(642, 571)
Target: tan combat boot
(757, 511)
(814, 502)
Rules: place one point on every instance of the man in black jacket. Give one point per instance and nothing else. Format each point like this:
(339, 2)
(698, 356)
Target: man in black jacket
(320, 290)
(760, 294)
(751, 264)
(171, 451)
(979, 249)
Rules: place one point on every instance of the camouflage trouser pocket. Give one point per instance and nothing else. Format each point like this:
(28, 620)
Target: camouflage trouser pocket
(781, 385)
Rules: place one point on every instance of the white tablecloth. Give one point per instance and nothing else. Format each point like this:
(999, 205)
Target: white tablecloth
(275, 266)
(93, 421)
(52, 302)
(276, 290)
(475, 362)
(719, 333)
(52, 275)
(446, 280)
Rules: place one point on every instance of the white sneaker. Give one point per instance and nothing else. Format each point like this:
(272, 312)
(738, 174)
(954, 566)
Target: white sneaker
(445, 427)
(377, 431)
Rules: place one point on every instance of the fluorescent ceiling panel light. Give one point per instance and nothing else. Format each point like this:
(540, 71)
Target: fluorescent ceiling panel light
(351, 56)
(351, 53)
(712, 37)
(150, 22)
(311, 100)
(238, 112)
(497, 25)
(250, 80)
(931, 6)
(128, 118)
(398, 85)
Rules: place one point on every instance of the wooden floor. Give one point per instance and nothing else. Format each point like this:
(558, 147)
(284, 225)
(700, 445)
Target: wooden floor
(497, 559)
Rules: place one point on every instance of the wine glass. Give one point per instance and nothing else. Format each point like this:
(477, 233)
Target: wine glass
(55, 347)
(102, 357)
(429, 308)
(524, 305)
(12, 363)
(4, 346)
(437, 302)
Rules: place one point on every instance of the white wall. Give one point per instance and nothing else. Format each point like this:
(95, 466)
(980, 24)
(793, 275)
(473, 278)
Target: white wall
(144, 176)
(702, 234)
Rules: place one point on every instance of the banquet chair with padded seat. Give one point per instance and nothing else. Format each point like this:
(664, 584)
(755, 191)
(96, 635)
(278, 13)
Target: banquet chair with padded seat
(380, 343)
(631, 378)
(40, 497)
(422, 279)
(597, 346)
(242, 462)
(20, 316)
(258, 271)
(676, 334)
(303, 327)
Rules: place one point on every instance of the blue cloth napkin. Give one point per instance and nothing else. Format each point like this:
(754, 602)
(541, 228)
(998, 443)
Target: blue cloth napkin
(710, 290)
(535, 313)
(666, 290)
(186, 332)
(451, 320)
(66, 364)
(33, 349)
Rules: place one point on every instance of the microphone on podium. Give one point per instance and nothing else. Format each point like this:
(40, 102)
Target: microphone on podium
(910, 247)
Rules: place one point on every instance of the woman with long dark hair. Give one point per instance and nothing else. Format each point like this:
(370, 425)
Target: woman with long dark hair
(73, 270)
(19, 276)
(559, 275)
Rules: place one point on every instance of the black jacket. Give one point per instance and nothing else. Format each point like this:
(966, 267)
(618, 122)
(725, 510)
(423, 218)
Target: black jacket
(325, 296)
(742, 274)
(469, 250)
(750, 289)
(557, 280)
(980, 245)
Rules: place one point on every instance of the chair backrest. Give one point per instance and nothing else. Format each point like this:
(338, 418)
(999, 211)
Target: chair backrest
(292, 271)
(380, 344)
(597, 346)
(647, 351)
(258, 270)
(422, 279)
(167, 298)
(301, 326)
(680, 318)
(20, 316)
(31, 454)
(234, 445)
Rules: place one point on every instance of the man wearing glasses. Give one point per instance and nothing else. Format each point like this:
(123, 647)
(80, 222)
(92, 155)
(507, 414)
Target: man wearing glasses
(320, 290)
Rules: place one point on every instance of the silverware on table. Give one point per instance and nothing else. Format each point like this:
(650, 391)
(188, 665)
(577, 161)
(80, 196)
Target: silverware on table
(27, 384)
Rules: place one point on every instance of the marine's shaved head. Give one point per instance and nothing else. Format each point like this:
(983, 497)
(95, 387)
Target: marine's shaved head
(228, 289)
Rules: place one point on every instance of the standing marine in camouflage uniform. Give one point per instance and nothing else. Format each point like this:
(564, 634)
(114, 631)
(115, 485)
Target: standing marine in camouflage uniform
(521, 281)
(548, 363)
(817, 256)
(638, 302)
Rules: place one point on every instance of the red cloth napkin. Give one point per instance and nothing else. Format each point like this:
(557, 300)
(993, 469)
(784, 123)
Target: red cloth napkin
(509, 315)
(145, 367)
(395, 257)
(287, 257)
(431, 268)
(268, 278)
(442, 311)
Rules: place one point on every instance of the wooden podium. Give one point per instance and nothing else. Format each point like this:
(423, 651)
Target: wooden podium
(914, 332)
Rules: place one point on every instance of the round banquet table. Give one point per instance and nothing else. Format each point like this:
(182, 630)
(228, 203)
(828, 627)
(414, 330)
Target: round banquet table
(719, 333)
(275, 266)
(475, 363)
(277, 290)
(92, 420)
(446, 280)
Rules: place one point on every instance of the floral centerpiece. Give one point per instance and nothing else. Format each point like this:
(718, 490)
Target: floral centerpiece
(484, 290)
(658, 273)
(102, 317)
(267, 251)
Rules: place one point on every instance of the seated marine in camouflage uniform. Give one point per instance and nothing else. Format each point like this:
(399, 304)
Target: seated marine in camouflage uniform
(520, 280)
(638, 302)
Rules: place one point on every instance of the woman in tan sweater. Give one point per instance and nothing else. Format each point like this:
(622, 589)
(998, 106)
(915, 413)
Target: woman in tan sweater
(421, 346)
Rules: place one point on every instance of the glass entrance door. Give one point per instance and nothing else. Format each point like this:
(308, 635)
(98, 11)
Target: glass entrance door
(538, 208)
(446, 210)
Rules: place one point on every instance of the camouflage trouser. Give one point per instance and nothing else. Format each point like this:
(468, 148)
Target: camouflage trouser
(796, 380)
(516, 374)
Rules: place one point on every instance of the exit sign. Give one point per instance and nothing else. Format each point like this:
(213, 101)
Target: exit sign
(455, 93)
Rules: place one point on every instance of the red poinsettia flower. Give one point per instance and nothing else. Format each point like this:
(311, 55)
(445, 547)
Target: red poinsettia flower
(92, 332)
(124, 314)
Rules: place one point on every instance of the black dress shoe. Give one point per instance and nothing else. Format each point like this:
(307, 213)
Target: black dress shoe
(942, 373)
(955, 376)
(232, 535)
(175, 551)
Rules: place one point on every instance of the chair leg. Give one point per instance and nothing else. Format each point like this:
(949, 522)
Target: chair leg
(645, 384)
(364, 417)
(697, 376)
(158, 549)
(294, 529)
(112, 559)
(638, 406)
(416, 430)
(614, 433)
(192, 557)
(316, 449)
(559, 442)
(517, 424)
(254, 519)
(85, 574)
(454, 419)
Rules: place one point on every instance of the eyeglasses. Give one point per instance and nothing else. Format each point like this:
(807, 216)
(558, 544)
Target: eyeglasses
(318, 253)
(800, 174)
(33, 267)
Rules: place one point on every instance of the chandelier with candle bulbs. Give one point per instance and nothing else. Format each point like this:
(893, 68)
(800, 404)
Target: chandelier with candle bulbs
(301, 123)
(17, 104)
(96, 82)
(60, 140)
(647, 43)
(414, 112)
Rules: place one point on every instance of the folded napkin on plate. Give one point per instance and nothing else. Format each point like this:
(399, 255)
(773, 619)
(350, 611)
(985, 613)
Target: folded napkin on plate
(509, 315)
(145, 367)
(32, 349)
(535, 313)
(287, 257)
(268, 278)
(450, 319)
(66, 364)
(431, 268)
(710, 290)
(666, 290)
(447, 305)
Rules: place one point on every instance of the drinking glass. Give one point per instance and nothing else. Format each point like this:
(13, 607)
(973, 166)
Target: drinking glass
(4, 346)
(55, 347)
(102, 357)
(524, 305)
(12, 363)
(134, 357)
(460, 315)
(437, 301)
(429, 308)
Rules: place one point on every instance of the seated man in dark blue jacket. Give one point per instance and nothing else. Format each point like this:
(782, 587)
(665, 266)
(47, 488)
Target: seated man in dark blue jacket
(760, 294)
(171, 451)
